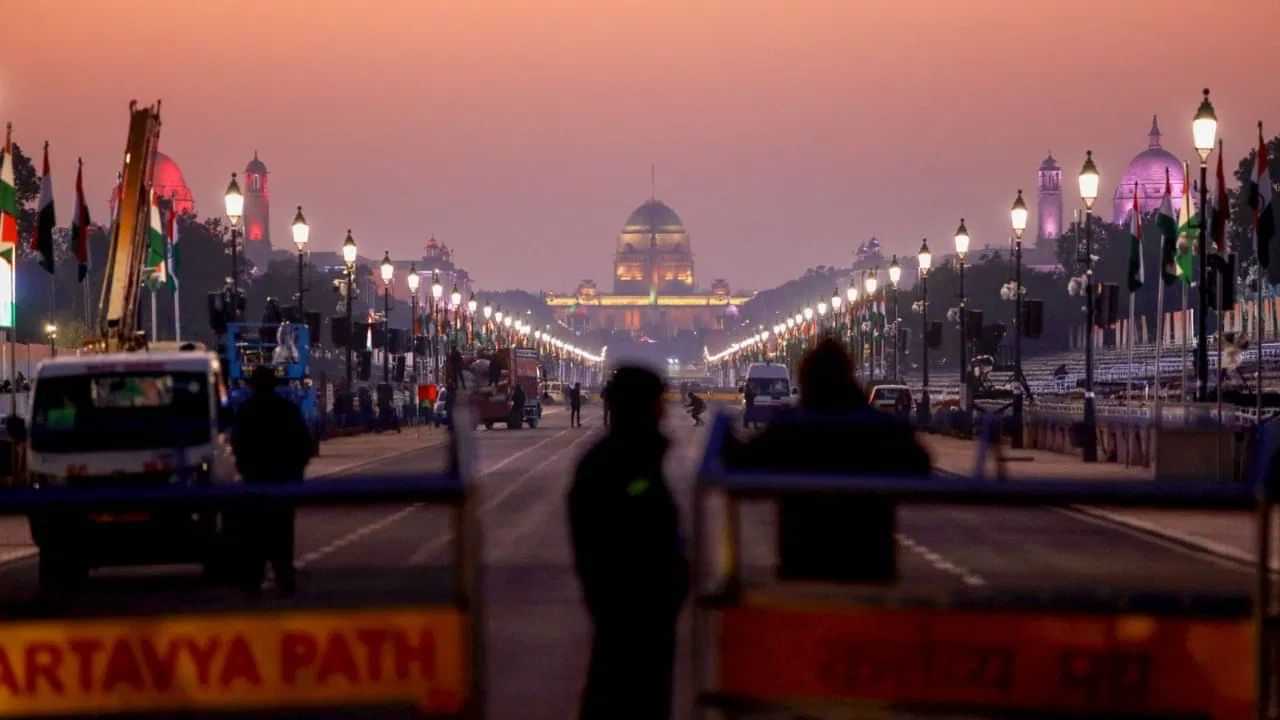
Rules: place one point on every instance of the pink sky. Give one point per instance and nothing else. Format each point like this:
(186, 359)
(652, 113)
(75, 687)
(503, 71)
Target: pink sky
(521, 133)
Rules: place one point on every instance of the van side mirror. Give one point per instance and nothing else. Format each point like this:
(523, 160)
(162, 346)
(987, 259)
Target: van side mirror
(16, 427)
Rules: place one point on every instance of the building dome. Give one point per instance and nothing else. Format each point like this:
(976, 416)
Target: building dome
(1148, 172)
(1050, 164)
(168, 182)
(255, 165)
(653, 217)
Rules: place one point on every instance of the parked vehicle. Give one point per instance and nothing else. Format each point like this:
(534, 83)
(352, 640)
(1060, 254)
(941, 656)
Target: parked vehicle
(772, 389)
(492, 403)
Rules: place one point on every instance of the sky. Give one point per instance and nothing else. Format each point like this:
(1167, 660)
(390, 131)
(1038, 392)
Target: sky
(522, 133)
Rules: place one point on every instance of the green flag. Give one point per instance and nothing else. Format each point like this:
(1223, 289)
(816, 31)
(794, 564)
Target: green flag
(155, 269)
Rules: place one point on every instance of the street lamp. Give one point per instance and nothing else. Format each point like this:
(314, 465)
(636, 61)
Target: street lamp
(925, 261)
(895, 274)
(471, 318)
(871, 281)
(301, 234)
(434, 313)
(1205, 131)
(1018, 219)
(234, 202)
(51, 332)
(413, 281)
(962, 249)
(349, 259)
(1088, 194)
(388, 272)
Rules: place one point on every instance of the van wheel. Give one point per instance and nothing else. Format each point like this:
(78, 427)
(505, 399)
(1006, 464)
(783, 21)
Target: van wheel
(533, 423)
(60, 571)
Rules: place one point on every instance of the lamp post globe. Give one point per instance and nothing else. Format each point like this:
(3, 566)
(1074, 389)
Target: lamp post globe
(349, 251)
(233, 201)
(1204, 128)
(1018, 216)
(414, 279)
(924, 258)
(455, 297)
(871, 281)
(808, 313)
(301, 230)
(1088, 181)
(488, 311)
(387, 269)
(962, 240)
(895, 272)
(437, 290)
(836, 300)
(472, 304)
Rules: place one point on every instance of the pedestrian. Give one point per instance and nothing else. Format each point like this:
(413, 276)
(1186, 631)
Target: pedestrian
(696, 406)
(604, 402)
(834, 431)
(272, 447)
(749, 404)
(518, 399)
(454, 375)
(495, 370)
(575, 405)
(629, 556)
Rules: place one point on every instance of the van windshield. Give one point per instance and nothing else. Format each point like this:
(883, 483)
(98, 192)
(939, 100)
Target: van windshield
(120, 411)
(770, 387)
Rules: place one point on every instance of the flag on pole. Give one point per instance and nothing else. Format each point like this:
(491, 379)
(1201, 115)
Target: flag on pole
(8, 199)
(1168, 227)
(1188, 230)
(154, 270)
(1220, 211)
(80, 225)
(1137, 269)
(1259, 196)
(172, 228)
(46, 218)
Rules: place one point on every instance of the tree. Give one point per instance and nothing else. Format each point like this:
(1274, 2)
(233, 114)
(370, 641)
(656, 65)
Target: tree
(1240, 224)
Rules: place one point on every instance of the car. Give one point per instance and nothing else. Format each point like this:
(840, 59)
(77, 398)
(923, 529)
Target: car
(891, 398)
(771, 384)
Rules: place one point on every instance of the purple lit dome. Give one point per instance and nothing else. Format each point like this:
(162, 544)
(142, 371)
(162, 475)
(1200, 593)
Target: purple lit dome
(1147, 170)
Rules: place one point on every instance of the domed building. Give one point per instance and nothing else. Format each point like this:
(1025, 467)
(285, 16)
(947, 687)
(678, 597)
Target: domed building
(1147, 172)
(168, 182)
(654, 288)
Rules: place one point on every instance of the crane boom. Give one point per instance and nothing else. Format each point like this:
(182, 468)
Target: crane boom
(118, 311)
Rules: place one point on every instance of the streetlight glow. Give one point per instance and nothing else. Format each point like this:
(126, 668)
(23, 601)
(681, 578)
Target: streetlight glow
(436, 288)
(1018, 216)
(1088, 180)
(822, 309)
(852, 292)
(488, 311)
(301, 230)
(1204, 128)
(924, 257)
(413, 279)
(388, 270)
(455, 297)
(234, 200)
(871, 282)
(808, 313)
(895, 272)
(472, 304)
(836, 300)
(349, 251)
(962, 240)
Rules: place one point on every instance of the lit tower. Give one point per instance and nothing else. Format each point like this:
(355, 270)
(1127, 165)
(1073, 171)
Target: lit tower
(1049, 204)
(257, 213)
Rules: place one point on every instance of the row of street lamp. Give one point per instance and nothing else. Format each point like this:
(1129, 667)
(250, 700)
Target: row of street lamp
(1204, 132)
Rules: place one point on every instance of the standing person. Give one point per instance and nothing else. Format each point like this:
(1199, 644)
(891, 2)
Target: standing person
(518, 399)
(629, 556)
(749, 403)
(455, 378)
(272, 447)
(604, 401)
(575, 405)
(697, 406)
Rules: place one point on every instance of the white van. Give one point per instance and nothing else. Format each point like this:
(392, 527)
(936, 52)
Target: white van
(772, 389)
(126, 420)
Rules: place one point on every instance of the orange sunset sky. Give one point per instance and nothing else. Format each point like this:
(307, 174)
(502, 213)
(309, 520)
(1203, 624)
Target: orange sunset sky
(521, 133)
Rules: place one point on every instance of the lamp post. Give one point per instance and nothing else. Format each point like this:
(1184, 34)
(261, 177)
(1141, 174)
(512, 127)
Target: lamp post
(436, 291)
(51, 332)
(1018, 219)
(349, 259)
(851, 294)
(962, 249)
(836, 303)
(301, 234)
(925, 259)
(488, 315)
(870, 282)
(413, 281)
(1089, 193)
(895, 274)
(455, 308)
(388, 272)
(1205, 130)
(234, 202)
(471, 318)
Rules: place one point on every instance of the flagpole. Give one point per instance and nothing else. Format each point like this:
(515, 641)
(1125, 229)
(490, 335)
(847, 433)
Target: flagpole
(1182, 322)
(1158, 418)
(177, 315)
(154, 328)
(1128, 385)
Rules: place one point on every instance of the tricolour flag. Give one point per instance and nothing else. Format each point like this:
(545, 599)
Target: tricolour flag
(8, 198)
(171, 229)
(1168, 226)
(1259, 198)
(1188, 230)
(156, 266)
(1137, 268)
(46, 218)
(80, 225)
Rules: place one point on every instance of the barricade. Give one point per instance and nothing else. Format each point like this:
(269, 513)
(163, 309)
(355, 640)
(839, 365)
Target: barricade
(421, 652)
(826, 650)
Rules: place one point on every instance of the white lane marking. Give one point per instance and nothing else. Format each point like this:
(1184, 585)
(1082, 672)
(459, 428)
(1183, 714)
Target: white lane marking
(355, 535)
(380, 458)
(968, 577)
(1215, 553)
(506, 491)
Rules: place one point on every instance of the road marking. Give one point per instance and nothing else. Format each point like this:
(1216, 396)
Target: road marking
(380, 458)
(1216, 553)
(968, 577)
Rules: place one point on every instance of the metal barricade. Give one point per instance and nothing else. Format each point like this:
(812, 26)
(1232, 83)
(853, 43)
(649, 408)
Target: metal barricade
(395, 650)
(825, 650)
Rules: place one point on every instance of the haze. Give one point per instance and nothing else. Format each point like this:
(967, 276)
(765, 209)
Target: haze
(522, 133)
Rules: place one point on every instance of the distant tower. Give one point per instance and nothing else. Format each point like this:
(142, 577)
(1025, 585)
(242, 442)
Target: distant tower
(1049, 204)
(257, 213)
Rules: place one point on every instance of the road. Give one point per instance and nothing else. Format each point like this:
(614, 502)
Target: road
(537, 631)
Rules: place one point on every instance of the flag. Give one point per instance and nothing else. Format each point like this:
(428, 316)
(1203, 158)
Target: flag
(46, 219)
(1220, 210)
(172, 229)
(1137, 269)
(154, 270)
(1168, 227)
(80, 225)
(8, 199)
(1188, 230)
(1259, 197)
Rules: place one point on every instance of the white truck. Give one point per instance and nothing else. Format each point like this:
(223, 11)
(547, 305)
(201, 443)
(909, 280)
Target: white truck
(126, 420)
(770, 385)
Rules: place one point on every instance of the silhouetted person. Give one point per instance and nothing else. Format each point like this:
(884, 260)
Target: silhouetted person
(834, 431)
(604, 402)
(272, 446)
(495, 370)
(629, 556)
(697, 406)
(518, 399)
(454, 376)
(575, 405)
(749, 404)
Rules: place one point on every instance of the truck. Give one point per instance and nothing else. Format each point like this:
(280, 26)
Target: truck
(126, 420)
(490, 404)
(284, 347)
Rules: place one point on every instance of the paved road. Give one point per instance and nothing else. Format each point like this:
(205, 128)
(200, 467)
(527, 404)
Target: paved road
(537, 631)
